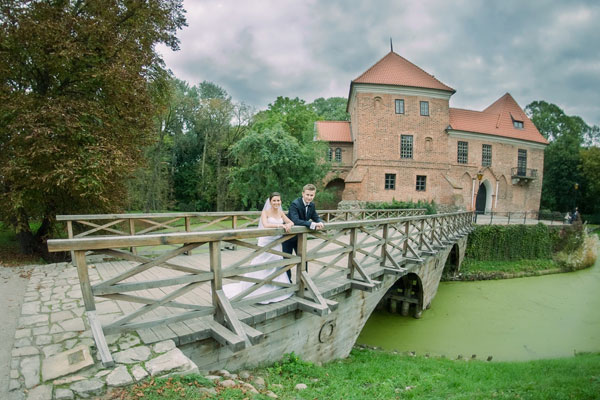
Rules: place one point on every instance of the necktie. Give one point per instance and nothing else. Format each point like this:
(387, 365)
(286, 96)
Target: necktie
(306, 211)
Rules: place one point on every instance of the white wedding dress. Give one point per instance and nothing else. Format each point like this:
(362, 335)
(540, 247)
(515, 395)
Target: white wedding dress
(233, 289)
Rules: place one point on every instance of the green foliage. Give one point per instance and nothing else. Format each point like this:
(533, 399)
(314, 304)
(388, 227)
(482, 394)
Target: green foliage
(75, 105)
(368, 374)
(331, 109)
(293, 116)
(273, 160)
(290, 365)
(568, 180)
(395, 204)
(512, 242)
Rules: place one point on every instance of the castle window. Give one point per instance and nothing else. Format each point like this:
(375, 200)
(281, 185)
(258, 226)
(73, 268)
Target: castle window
(406, 146)
(522, 162)
(425, 108)
(421, 183)
(390, 181)
(463, 152)
(399, 106)
(329, 154)
(518, 124)
(338, 155)
(486, 155)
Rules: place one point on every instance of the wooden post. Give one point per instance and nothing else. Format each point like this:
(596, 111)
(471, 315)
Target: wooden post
(302, 264)
(84, 281)
(352, 254)
(217, 282)
(421, 240)
(133, 250)
(386, 229)
(70, 235)
(406, 233)
(188, 228)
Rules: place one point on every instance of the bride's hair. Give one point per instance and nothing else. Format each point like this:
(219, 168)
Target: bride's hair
(274, 194)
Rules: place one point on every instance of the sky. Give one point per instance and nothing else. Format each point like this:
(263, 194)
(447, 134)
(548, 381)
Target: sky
(258, 50)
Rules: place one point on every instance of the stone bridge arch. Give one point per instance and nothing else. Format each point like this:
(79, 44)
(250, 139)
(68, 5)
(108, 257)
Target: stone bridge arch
(413, 293)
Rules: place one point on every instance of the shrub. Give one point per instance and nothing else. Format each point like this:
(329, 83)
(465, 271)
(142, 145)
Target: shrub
(395, 204)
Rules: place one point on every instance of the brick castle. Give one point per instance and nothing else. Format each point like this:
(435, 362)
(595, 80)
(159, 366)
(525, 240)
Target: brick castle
(405, 142)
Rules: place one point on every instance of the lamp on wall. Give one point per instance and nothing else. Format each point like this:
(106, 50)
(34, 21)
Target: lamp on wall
(479, 176)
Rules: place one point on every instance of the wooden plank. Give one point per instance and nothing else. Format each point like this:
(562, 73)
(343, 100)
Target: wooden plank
(159, 283)
(226, 337)
(84, 281)
(311, 306)
(98, 334)
(148, 335)
(254, 335)
(231, 318)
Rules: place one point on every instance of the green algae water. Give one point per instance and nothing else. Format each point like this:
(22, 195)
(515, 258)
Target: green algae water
(520, 319)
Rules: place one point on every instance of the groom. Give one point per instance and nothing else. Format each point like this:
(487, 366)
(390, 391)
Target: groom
(302, 212)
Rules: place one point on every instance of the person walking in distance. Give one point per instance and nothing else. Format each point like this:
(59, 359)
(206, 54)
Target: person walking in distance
(302, 212)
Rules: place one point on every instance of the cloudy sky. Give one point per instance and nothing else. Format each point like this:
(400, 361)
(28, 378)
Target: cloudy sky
(260, 49)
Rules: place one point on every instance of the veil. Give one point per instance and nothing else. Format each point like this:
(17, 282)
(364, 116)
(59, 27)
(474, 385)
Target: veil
(265, 208)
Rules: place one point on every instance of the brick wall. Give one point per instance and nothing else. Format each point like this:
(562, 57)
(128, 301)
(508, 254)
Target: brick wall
(377, 130)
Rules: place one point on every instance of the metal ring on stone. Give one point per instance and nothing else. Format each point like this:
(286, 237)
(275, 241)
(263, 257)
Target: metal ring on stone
(326, 332)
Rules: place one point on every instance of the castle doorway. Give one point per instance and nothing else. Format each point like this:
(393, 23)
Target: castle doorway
(480, 202)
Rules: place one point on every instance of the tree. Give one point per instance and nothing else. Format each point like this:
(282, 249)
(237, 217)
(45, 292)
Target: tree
(590, 169)
(294, 115)
(565, 185)
(331, 109)
(75, 106)
(272, 160)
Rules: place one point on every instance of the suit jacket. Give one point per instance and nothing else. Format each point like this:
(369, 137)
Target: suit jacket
(297, 213)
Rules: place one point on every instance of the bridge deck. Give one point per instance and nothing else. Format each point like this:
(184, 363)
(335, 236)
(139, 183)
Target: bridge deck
(329, 284)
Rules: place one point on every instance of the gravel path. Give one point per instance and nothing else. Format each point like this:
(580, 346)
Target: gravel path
(13, 282)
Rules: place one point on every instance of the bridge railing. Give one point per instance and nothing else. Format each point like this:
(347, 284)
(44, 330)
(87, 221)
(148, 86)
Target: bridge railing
(519, 217)
(142, 224)
(348, 252)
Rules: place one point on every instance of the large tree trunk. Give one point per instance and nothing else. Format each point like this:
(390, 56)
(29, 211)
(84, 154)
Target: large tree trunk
(35, 244)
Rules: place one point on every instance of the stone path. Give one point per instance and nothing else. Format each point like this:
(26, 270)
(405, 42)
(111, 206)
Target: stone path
(51, 338)
(13, 282)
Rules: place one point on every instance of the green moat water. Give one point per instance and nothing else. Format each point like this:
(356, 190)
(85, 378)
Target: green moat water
(549, 316)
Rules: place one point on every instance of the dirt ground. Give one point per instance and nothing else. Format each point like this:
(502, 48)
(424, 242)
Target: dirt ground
(13, 283)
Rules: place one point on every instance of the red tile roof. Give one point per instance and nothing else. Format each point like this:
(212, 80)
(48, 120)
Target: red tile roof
(396, 70)
(333, 131)
(497, 120)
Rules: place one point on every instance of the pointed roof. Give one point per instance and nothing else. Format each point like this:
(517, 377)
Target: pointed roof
(497, 119)
(333, 131)
(396, 70)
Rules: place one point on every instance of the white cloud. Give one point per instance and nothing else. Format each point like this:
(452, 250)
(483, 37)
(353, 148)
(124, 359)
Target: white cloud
(258, 50)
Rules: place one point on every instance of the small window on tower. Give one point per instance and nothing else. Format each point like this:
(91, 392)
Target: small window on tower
(421, 183)
(390, 181)
(399, 106)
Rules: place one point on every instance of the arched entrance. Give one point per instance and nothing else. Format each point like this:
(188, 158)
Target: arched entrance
(335, 188)
(481, 199)
(452, 263)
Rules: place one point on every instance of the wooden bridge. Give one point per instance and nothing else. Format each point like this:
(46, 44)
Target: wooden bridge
(351, 265)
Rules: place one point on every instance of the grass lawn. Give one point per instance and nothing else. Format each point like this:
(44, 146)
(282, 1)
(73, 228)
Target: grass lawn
(369, 374)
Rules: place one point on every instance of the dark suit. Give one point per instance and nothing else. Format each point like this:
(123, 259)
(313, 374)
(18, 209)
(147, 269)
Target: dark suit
(300, 216)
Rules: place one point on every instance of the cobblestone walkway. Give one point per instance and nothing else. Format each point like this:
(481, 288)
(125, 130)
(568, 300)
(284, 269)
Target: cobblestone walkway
(52, 321)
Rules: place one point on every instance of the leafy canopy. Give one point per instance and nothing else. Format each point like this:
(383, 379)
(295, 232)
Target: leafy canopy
(75, 108)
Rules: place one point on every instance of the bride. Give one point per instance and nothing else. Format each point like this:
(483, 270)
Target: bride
(272, 216)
